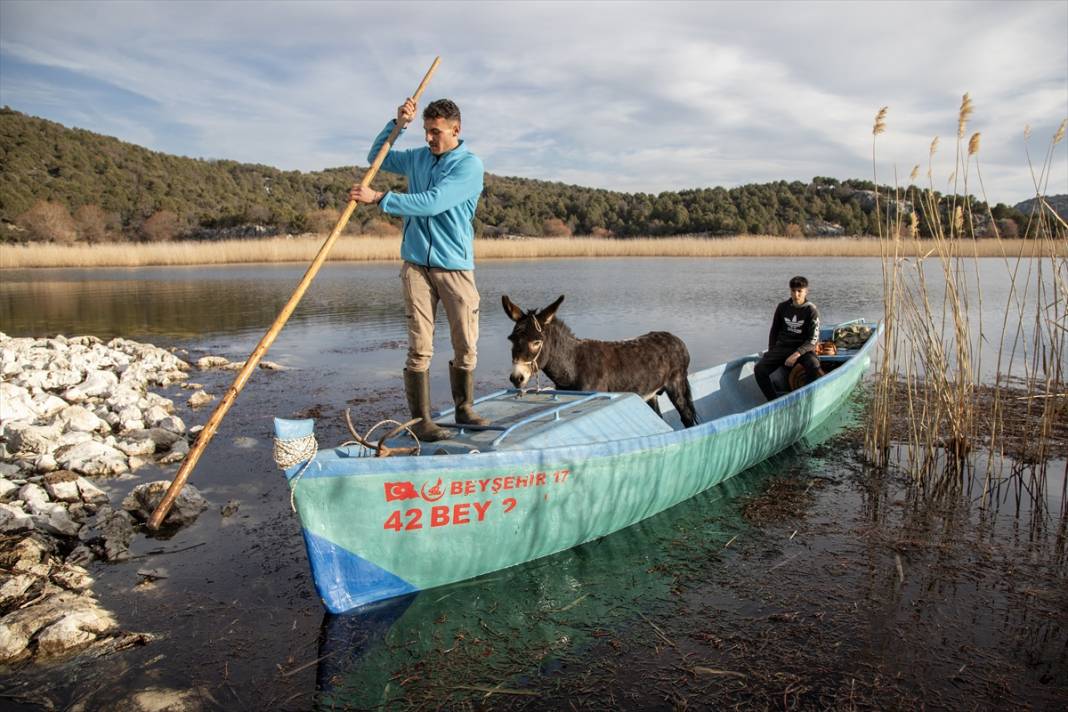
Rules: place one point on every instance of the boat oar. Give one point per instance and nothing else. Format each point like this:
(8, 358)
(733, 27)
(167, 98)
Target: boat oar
(212, 425)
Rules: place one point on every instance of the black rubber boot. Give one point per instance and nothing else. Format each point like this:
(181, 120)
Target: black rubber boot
(417, 389)
(463, 395)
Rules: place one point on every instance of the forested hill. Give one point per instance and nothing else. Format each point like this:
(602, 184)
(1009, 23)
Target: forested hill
(69, 184)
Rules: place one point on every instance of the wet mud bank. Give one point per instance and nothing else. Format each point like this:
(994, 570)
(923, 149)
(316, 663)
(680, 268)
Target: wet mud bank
(83, 425)
(807, 582)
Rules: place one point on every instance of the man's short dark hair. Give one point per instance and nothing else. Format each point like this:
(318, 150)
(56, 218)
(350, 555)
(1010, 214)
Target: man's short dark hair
(798, 283)
(442, 109)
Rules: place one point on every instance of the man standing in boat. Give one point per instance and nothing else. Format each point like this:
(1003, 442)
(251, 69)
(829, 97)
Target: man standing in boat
(444, 185)
(795, 333)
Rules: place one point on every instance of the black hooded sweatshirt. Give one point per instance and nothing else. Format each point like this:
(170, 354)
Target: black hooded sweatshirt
(795, 327)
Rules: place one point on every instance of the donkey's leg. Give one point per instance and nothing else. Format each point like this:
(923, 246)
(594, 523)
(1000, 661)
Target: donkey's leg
(654, 402)
(678, 390)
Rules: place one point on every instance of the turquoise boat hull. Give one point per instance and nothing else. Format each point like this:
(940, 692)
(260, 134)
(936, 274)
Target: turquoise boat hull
(556, 470)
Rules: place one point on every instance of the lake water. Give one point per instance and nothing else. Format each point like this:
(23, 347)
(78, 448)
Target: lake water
(716, 306)
(237, 613)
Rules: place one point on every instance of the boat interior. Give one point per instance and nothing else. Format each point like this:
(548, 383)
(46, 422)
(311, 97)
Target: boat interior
(532, 419)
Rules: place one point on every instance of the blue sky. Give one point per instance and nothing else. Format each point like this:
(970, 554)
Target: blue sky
(628, 96)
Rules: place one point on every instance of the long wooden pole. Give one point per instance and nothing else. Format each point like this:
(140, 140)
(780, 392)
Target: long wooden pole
(212, 425)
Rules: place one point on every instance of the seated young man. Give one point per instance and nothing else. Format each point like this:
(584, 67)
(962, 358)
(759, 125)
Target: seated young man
(795, 332)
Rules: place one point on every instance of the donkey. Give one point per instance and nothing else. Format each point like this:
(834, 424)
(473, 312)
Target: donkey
(647, 365)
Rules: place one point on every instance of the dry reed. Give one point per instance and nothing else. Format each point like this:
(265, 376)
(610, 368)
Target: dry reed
(930, 365)
(369, 249)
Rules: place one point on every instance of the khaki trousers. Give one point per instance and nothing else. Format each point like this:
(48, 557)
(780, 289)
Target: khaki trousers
(423, 288)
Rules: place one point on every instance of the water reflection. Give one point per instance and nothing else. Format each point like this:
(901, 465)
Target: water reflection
(508, 624)
(351, 323)
(720, 307)
(180, 304)
(529, 620)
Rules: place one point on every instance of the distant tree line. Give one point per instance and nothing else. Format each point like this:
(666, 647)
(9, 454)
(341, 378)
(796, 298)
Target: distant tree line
(66, 185)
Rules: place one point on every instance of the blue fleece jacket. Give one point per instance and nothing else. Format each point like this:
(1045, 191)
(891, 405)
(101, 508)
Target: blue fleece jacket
(443, 192)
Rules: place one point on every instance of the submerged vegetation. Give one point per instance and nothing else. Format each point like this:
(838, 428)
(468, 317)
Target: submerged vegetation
(956, 397)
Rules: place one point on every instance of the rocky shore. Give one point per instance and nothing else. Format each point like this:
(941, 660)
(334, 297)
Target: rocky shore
(75, 414)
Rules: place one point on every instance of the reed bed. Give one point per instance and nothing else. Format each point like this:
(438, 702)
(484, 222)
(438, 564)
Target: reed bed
(370, 249)
(937, 410)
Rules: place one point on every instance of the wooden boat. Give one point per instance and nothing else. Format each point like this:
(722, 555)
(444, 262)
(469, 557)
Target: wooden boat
(554, 469)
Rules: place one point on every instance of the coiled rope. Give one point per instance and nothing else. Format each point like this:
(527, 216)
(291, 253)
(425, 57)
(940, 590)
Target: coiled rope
(291, 451)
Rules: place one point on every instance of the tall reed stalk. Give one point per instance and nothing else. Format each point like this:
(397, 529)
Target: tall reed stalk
(935, 407)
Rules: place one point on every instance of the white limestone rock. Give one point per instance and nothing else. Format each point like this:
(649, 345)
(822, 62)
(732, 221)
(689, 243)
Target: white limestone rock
(16, 403)
(177, 453)
(72, 577)
(152, 399)
(80, 419)
(169, 377)
(200, 398)
(29, 553)
(59, 624)
(212, 362)
(13, 519)
(130, 412)
(90, 493)
(74, 437)
(155, 699)
(15, 588)
(8, 489)
(55, 519)
(125, 397)
(33, 495)
(32, 439)
(163, 438)
(47, 404)
(52, 379)
(92, 458)
(155, 414)
(128, 426)
(62, 486)
(172, 423)
(74, 395)
(140, 446)
(144, 499)
(98, 383)
(45, 463)
(76, 629)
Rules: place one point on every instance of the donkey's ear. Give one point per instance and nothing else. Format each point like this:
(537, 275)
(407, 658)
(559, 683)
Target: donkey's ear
(514, 313)
(549, 313)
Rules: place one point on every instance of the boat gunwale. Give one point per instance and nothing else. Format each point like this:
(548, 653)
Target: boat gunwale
(368, 466)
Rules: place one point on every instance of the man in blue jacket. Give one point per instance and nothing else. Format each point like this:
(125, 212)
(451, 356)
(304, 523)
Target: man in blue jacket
(444, 185)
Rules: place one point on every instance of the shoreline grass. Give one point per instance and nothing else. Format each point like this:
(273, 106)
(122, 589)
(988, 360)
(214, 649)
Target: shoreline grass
(387, 249)
(936, 414)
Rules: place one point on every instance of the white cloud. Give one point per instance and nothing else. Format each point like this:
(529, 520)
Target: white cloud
(631, 96)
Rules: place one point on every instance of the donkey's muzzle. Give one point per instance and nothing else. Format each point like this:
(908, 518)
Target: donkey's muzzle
(520, 375)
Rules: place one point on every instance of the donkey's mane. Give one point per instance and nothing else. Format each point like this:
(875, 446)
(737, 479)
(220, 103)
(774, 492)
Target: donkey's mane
(563, 328)
(557, 323)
